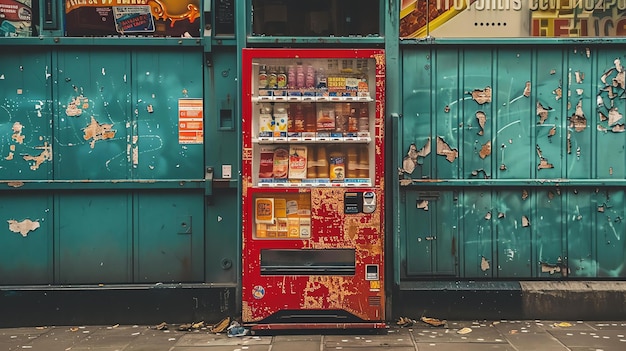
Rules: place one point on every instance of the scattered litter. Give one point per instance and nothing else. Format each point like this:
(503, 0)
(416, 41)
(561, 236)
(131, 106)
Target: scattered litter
(563, 324)
(197, 325)
(405, 322)
(464, 331)
(185, 327)
(237, 331)
(73, 329)
(433, 321)
(220, 326)
(162, 326)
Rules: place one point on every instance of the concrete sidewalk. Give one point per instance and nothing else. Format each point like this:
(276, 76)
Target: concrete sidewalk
(455, 335)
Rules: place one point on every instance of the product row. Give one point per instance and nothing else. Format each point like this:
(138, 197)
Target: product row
(286, 216)
(314, 165)
(330, 78)
(309, 121)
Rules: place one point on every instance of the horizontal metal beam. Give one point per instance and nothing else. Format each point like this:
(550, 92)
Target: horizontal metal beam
(102, 41)
(113, 184)
(459, 183)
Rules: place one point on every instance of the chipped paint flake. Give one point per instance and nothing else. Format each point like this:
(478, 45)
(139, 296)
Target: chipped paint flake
(484, 264)
(443, 149)
(74, 108)
(524, 194)
(542, 112)
(409, 163)
(481, 117)
(17, 133)
(552, 132)
(24, 227)
(578, 121)
(485, 150)
(580, 76)
(544, 164)
(96, 131)
(525, 221)
(527, 89)
(614, 116)
(481, 96)
(45, 155)
(558, 93)
(422, 205)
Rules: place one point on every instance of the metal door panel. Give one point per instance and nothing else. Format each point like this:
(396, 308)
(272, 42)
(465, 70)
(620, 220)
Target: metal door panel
(416, 118)
(446, 134)
(445, 235)
(513, 234)
(170, 237)
(581, 213)
(94, 243)
(578, 150)
(611, 232)
(26, 239)
(25, 115)
(92, 137)
(419, 231)
(477, 234)
(548, 231)
(610, 142)
(160, 81)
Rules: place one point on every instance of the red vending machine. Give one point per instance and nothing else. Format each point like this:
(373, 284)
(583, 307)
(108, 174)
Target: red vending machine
(313, 161)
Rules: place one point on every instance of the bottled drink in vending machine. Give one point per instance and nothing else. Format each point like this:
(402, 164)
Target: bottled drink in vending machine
(272, 78)
(262, 77)
(291, 77)
(353, 121)
(322, 162)
(281, 78)
(300, 77)
(341, 117)
(310, 77)
(296, 118)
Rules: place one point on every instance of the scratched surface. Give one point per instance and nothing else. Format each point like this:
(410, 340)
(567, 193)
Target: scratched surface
(524, 115)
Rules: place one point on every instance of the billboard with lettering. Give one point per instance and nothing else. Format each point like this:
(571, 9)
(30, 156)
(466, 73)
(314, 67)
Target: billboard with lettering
(162, 18)
(512, 18)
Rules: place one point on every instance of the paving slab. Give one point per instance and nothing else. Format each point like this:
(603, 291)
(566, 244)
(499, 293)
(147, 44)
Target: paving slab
(456, 346)
(454, 332)
(597, 340)
(391, 340)
(529, 335)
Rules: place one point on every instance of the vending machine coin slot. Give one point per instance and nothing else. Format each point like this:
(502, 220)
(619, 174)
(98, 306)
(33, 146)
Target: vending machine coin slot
(352, 202)
(369, 202)
(371, 272)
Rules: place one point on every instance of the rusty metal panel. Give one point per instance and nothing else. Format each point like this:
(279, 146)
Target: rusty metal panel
(93, 101)
(25, 115)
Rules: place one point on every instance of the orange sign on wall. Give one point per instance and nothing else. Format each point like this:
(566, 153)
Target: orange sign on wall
(190, 121)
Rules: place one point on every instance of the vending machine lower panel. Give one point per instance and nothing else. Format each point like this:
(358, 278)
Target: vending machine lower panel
(326, 271)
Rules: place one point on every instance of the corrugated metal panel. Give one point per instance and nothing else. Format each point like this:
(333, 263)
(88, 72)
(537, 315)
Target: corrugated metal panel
(530, 138)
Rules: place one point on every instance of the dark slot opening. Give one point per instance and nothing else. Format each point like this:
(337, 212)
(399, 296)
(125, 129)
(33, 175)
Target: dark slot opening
(308, 262)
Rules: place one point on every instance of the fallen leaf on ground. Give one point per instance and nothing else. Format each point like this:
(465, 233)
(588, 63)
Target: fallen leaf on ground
(563, 324)
(464, 331)
(433, 321)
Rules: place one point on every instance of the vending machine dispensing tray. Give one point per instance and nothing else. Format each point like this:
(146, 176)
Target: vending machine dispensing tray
(315, 320)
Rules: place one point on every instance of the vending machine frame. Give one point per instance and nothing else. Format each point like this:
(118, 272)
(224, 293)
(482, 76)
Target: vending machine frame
(330, 273)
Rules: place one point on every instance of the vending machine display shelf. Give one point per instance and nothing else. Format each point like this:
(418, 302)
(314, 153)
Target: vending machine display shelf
(312, 140)
(310, 183)
(306, 98)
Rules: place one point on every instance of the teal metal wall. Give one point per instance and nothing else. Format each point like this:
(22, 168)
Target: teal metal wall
(97, 188)
(512, 162)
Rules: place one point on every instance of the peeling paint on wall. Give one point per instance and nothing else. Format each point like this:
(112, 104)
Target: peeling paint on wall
(485, 150)
(422, 205)
(527, 89)
(76, 106)
(525, 221)
(542, 112)
(96, 131)
(481, 96)
(443, 149)
(45, 155)
(24, 227)
(578, 121)
(484, 264)
(410, 160)
(17, 133)
(482, 118)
